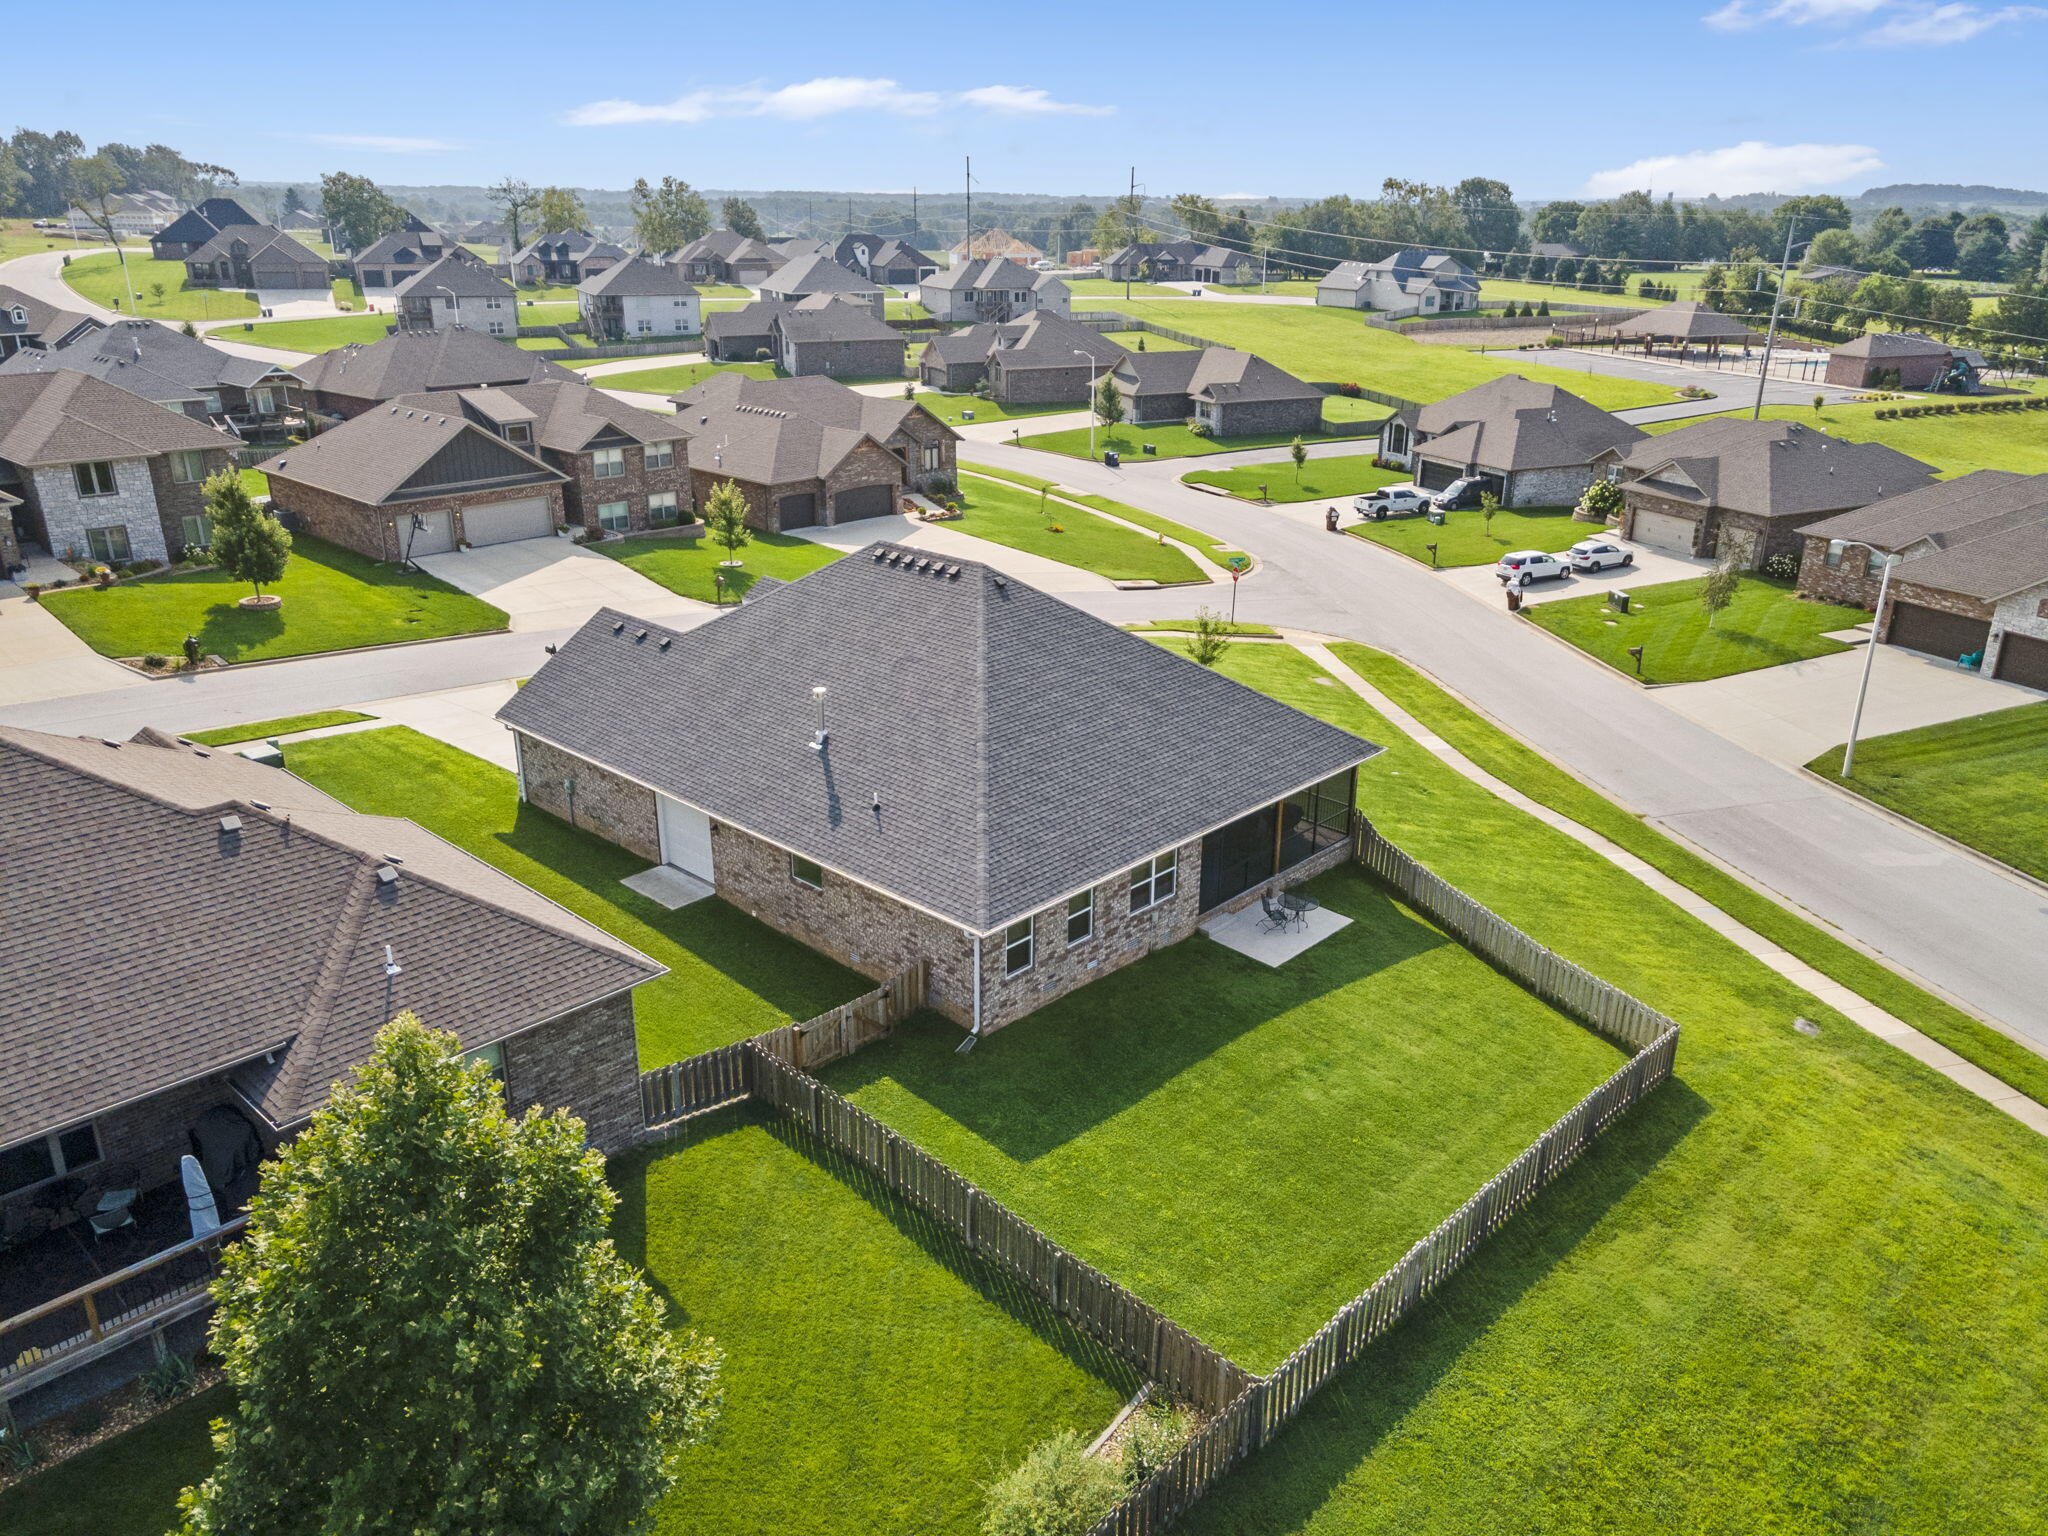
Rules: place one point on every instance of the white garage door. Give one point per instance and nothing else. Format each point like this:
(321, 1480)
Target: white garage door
(504, 521)
(426, 533)
(685, 837)
(1660, 530)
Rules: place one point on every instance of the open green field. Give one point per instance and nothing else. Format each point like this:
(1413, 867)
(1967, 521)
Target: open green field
(669, 378)
(1954, 445)
(1464, 539)
(1217, 549)
(1169, 440)
(688, 566)
(20, 237)
(1767, 624)
(1008, 514)
(1343, 475)
(1329, 345)
(1103, 288)
(729, 976)
(98, 278)
(256, 730)
(1979, 781)
(321, 335)
(334, 600)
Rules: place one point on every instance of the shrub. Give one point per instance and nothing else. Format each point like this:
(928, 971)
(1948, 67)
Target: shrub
(1784, 567)
(1198, 428)
(169, 1379)
(154, 662)
(18, 1453)
(34, 590)
(1058, 1489)
(88, 1421)
(141, 567)
(1553, 341)
(1155, 1436)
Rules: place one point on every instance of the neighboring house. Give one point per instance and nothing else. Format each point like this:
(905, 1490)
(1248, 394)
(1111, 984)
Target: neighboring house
(819, 276)
(895, 264)
(350, 380)
(134, 215)
(637, 299)
(1972, 577)
(197, 225)
(1559, 250)
(256, 256)
(1742, 491)
(391, 260)
(1534, 444)
(995, 289)
(564, 256)
(1904, 360)
(1834, 274)
(994, 245)
(410, 224)
(30, 324)
(1007, 818)
(1687, 324)
(743, 335)
(421, 478)
(182, 373)
(103, 474)
(1041, 359)
(1232, 393)
(1425, 281)
(1179, 261)
(809, 452)
(626, 467)
(458, 291)
(726, 256)
(836, 336)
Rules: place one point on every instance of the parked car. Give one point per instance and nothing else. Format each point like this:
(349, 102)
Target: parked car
(1391, 501)
(1598, 555)
(1526, 565)
(1460, 493)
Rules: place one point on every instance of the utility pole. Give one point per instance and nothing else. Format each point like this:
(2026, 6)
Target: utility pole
(914, 240)
(849, 213)
(967, 246)
(1763, 376)
(1130, 221)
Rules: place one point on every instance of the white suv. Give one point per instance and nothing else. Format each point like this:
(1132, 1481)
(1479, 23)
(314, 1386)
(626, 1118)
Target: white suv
(1391, 501)
(1598, 555)
(1527, 565)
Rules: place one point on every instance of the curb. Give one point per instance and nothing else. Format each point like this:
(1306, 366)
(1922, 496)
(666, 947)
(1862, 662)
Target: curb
(1997, 865)
(272, 661)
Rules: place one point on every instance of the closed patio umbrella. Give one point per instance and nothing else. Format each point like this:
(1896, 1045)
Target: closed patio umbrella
(199, 1196)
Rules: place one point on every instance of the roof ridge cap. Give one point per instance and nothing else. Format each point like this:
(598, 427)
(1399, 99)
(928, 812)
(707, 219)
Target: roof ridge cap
(318, 1009)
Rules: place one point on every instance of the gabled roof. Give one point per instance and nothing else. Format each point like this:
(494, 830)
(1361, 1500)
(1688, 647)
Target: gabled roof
(405, 246)
(1892, 344)
(147, 948)
(453, 357)
(1769, 468)
(718, 245)
(1996, 564)
(996, 243)
(997, 273)
(1686, 320)
(637, 278)
(1509, 424)
(401, 451)
(1220, 374)
(829, 317)
(576, 244)
(754, 318)
(458, 273)
(771, 431)
(990, 748)
(900, 253)
(568, 417)
(40, 319)
(67, 418)
(1557, 250)
(149, 360)
(1045, 339)
(1940, 513)
(1414, 271)
(815, 273)
(257, 238)
(201, 222)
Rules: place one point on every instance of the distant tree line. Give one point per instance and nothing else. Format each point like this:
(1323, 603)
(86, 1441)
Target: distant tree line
(40, 172)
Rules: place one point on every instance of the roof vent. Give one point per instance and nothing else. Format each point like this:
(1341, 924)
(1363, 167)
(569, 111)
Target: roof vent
(619, 628)
(230, 825)
(386, 875)
(999, 581)
(261, 805)
(666, 642)
(639, 635)
(392, 858)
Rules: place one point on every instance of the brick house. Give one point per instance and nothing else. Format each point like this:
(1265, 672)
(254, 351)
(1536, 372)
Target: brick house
(1741, 491)
(242, 395)
(1232, 393)
(389, 261)
(996, 289)
(893, 263)
(458, 290)
(193, 229)
(1428, 282)
(1534, 445)
(100, 473)
(726, 256)
(638, 299)
(1179, 261)
(30, 324)
(819, 276)
(563, 256)
(810, 452)
(1972, 571)
(257, 256)
(1903, 360)
(899, 759)
(352, 379)
(1042, 359)
(836, 337)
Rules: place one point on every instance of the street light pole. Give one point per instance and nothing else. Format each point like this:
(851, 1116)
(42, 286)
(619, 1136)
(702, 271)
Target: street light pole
(1092, 366)
(1869, 659)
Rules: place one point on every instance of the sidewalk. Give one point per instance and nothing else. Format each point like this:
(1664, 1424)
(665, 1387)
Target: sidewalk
(41, 659)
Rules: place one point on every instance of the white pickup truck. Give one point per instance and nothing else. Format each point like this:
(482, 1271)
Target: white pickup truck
(1391, 501)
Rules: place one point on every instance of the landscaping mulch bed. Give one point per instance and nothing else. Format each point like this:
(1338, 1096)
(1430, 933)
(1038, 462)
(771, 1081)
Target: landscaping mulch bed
(71, 1434)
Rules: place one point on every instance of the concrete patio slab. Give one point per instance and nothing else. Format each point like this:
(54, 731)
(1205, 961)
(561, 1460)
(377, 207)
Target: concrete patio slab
(667, 886)
(1250, 934)
(554, 584)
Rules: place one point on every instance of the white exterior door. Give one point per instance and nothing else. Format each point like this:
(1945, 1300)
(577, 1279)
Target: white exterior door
(685, 837)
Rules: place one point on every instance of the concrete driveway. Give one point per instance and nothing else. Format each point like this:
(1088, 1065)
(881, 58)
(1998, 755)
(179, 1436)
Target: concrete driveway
(1651, 567)
(554, 584)
(41, 659)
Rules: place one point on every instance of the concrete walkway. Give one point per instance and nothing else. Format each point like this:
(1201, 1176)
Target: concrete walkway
(464, 718)
(1838, 997)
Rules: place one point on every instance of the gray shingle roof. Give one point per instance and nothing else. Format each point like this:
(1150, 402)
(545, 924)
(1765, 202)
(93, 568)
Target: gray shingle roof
(815, 273)
(567, 417)
(1893, 344)
(1415, 271)
(1994, 564)
(404, 362)
(40, 320)
(458, 273)
(1936, 512)
(575, 244)
(991, 749)
(376, 456)
(998, 274)
(1222, 374)
(405, 246)
(638, 278)
(824, 318)
(775, 431)
(257, 238)
(66, 418)
(1770, 468)
(146, 948)
(1686, 320)
(1509, 424)
(149, 360)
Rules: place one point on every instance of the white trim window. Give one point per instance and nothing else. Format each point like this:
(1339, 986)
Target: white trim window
(608, 463)
(109, 545)
(1153, 881)
(1081, 917)
(661, 508)
(614, 516)
(188, 466)
(661, 455)
(1018, 947)
(198, 530)
(48, 1157)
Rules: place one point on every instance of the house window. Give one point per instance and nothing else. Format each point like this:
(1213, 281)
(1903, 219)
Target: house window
(934, 456)
(47, 1157)
(198, 531)
(1835, 548)
(209, 401)
(188, 466)
(613, 516)
(263, 402)
(661, 508)
(644, 326)
(609, 463)
(1152, 881)
(519, 432)
(661, 455)
(806, 872)
(495, 327)
(1081, 917)
(492, 1056)
(1017, 947)
(494, 303)
(109, 546)
(94, 479)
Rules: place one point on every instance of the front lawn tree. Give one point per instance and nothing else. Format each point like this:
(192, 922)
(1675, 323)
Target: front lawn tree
(1211, 637)
(725, 518)
(1109, 404)
(429, 1330)
(558, 209)
(1488, 505)
(246, 541)
(1298, 451)
(1719, 590)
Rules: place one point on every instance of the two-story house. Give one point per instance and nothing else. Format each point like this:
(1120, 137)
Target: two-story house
(389, 261)
(993, 289)
(352, 379)
(638, 300)
(565, 256)
(246, 396)
(197, 225)
(30, 324)
(458, 290)
(819, 276)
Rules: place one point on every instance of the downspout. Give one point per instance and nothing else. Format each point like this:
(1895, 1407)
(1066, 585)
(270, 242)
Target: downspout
(974, 1034)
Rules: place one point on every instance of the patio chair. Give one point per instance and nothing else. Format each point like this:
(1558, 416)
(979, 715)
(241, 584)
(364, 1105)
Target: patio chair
(1278, 913)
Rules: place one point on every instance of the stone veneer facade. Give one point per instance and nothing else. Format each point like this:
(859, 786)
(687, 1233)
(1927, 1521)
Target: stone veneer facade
(146, 501)
(373, 529)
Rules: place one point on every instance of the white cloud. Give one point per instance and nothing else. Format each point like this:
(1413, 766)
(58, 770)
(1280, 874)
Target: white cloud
(1737, 14)
(385, 144)
(1899, 23)
(1935, 25)
(827, 96)
(1752, 166)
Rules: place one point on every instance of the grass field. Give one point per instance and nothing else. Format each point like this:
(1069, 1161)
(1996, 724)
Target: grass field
(541, 293)
(229, 735)
(1330, 345)
(1217, 549)
(1464, 539)
(1978, 781)
(688, 566)
(1169, 440)
(954, 410)
(1187, 626)
(98, 278)
(1954, 445)
(1145, 341)
(19, 237)
(1339, 476)
(729, 976)
(668, 378)
(1103, 288)
(321, 335)
(126, 1486)
(1008, 514)
(1767, 624)
(334, 600)
(348, 293)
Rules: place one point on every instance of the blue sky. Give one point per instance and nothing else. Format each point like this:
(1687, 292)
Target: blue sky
(1557, 98)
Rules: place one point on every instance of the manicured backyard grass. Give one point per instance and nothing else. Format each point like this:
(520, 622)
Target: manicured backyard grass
(668, 378)
(1979, 781)
(1008, 514)
(904, 309)
(1464, 539)
(954, 410)
(1103, 288)
(729, 976)
(542, 292)
(229, 735)
(871, 1383)
(334, 600)
(348, 293)
(721, 291)
(1327, 345)
(321, 335)
(1169, 440)
(1767, 624)
(1348, 475)
(1145, 341)
(126, 1486)
(98, 278)
(1954, 445)
(547, 314)
(688, 565)
(1217, 549)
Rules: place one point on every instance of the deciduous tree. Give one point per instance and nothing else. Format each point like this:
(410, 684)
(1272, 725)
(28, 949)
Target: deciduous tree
(668, 217)
(559, 208)
(247, 542)
(1109, 403)
(1211, 637)
(358, 210)
(514, 200)
(725, 518)
(741, 219)
(1719, 590)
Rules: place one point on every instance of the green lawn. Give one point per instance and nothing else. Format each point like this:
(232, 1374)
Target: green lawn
(126, 1486)
(953, 410)
(1978, 781)
(1217, 549)
(1348, 475)
(1326, 345)
(721, 291)
(548, 314)
(334, 600)
(1006, 513)
(729, 976)
(348, 293)
(1145, 341)
(98, 278)
(1464, 539)
(872, 1383)
(1187, 626)
(1954, 445)
(229, 735)
(904, 309)
(540, 293)
(668, 378)
(322, 335)
(688, 565)
(1102, 288)
(1767, 624)
(1169, 440)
